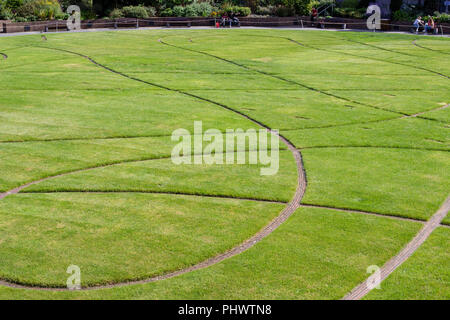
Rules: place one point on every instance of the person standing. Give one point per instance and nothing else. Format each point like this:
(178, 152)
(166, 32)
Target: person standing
(314, 14)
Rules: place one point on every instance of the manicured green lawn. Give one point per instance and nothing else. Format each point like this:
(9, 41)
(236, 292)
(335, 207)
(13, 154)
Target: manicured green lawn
(379, 180)
(424, 276)
(241, 181)
(407, 133)
(115, 237)
(316, 254)
(340, 98)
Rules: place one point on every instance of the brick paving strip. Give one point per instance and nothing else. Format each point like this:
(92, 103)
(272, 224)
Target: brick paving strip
(363, 289)
(274, 224)
(423, 112)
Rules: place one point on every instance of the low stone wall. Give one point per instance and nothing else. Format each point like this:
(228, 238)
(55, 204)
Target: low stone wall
(298, 22)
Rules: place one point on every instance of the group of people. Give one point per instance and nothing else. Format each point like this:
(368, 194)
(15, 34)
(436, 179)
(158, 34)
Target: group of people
(419, 24)
(226, 21)
(428, 26)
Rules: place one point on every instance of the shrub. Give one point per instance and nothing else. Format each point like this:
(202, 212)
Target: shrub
(167, 13)
(190, 11)
(38, 10)
(265, 11)
(242, 11)
(178, 11)
(206, 9)
(5, 12)
(150, 11)
(317, 3)
(284, 11)
(199, 9)
(401, 15)
(442, 17)
(350, 13)
(14, 4)
(135, 12)
(116, 13)
(300, 7)
(236, 10)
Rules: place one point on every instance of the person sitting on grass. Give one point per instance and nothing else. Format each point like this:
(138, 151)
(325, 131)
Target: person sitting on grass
(430, 25)
(418, 23)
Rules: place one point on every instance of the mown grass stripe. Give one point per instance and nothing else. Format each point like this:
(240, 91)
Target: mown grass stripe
(283, 79)
(193, 194)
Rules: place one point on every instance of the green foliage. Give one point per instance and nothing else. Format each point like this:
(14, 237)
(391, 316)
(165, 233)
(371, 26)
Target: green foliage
(151, 11)
(350, 13)
(14, 4)
(135, 12)
(237, 11)
(266, 11)
(199, 9)
(116, 13)
(194, 9)
(300, 7)
(401, 15)
(166, 13)
(284, 11)
(35, 10)
(190, 11)
(85, 5)
(5, 11)
(408, 13)
(178, 11)
(349, 4)
(442, 17)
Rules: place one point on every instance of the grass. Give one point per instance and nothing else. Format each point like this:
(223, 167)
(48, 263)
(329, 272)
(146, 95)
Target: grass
(338, 97)
(41, 159)
(407, 133)
(118, 237)
(378, 180)
(425, 276)
(240, 181)
(316, 254)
